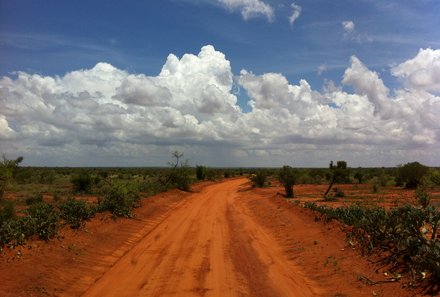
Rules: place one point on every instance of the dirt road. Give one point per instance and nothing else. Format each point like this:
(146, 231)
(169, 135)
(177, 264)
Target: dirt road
(208, 246)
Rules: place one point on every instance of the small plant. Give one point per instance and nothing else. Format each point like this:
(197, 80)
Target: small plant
(259, 179)
(43, 220)
(75, 212)
(422, 196)
(120, 199)
(287, 177)
(7, 211)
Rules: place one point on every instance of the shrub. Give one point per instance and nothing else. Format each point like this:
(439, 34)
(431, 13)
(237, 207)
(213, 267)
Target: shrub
(411, 174)
(43, 220)
(7, 211)
(75, 212)
(120, 199)
(200, 172)
(259, 179)
(82, 182)
(422, 196)
(287, 177)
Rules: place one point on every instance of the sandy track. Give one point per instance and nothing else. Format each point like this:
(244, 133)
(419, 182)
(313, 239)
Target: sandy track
(209, 246)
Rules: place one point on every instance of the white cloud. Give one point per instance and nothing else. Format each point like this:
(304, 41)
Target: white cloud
(296, 11)
(348, 26)
(422, 72)
(322, 68)
(250, 8)
(103, 112)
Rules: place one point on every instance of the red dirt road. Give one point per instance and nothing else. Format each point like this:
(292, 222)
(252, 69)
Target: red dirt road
(210, 246)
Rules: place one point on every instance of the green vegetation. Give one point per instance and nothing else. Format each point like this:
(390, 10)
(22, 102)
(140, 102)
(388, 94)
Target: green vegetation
(259, 179)
(75, 212)
(8, 169)
(411, 174)
(287, 177)
(407, 235)
(338, 173)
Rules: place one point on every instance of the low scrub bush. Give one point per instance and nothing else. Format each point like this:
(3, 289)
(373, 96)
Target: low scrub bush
(120, 199)
(75, 212)
(259, 179)
(82, 182)
(43, 220)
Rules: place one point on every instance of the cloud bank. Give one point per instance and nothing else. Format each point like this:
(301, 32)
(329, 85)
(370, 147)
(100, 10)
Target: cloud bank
(108, 116)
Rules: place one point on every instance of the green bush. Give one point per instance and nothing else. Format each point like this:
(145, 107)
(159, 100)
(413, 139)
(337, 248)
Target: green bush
(287, 177)
(422, 196)
(82, 182)
(75, 212)
(259, 179)
(200, 172)
(43, 220)
(7, 211)
(120, 199)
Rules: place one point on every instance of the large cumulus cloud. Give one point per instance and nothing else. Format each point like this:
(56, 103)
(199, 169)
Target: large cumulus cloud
(109, 114)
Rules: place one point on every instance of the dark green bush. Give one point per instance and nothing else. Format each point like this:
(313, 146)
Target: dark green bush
(43, 220)
(82, 182)
(120, 199)
(287, 177)
(259, 179)
(7, 211)
(75, 212)
(200, 172)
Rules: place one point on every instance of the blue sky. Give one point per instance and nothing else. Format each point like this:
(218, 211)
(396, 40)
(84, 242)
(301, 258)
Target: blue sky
(54, 38)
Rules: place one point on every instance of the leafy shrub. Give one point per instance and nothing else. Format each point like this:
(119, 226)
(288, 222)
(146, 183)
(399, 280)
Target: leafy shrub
(7, 211)
(75, 212)
(259, 179)
(16, 231)
(43, 220)
(200, 172)
(422, 196)
(287, 177)
(120, 199)
(82, 182)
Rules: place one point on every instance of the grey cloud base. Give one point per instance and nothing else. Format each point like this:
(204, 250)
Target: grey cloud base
(107, 116)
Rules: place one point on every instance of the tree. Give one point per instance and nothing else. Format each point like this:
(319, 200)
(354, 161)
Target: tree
(180, 174)
(8, 170)
(411, 174)
(338, 173)
(287, 177)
